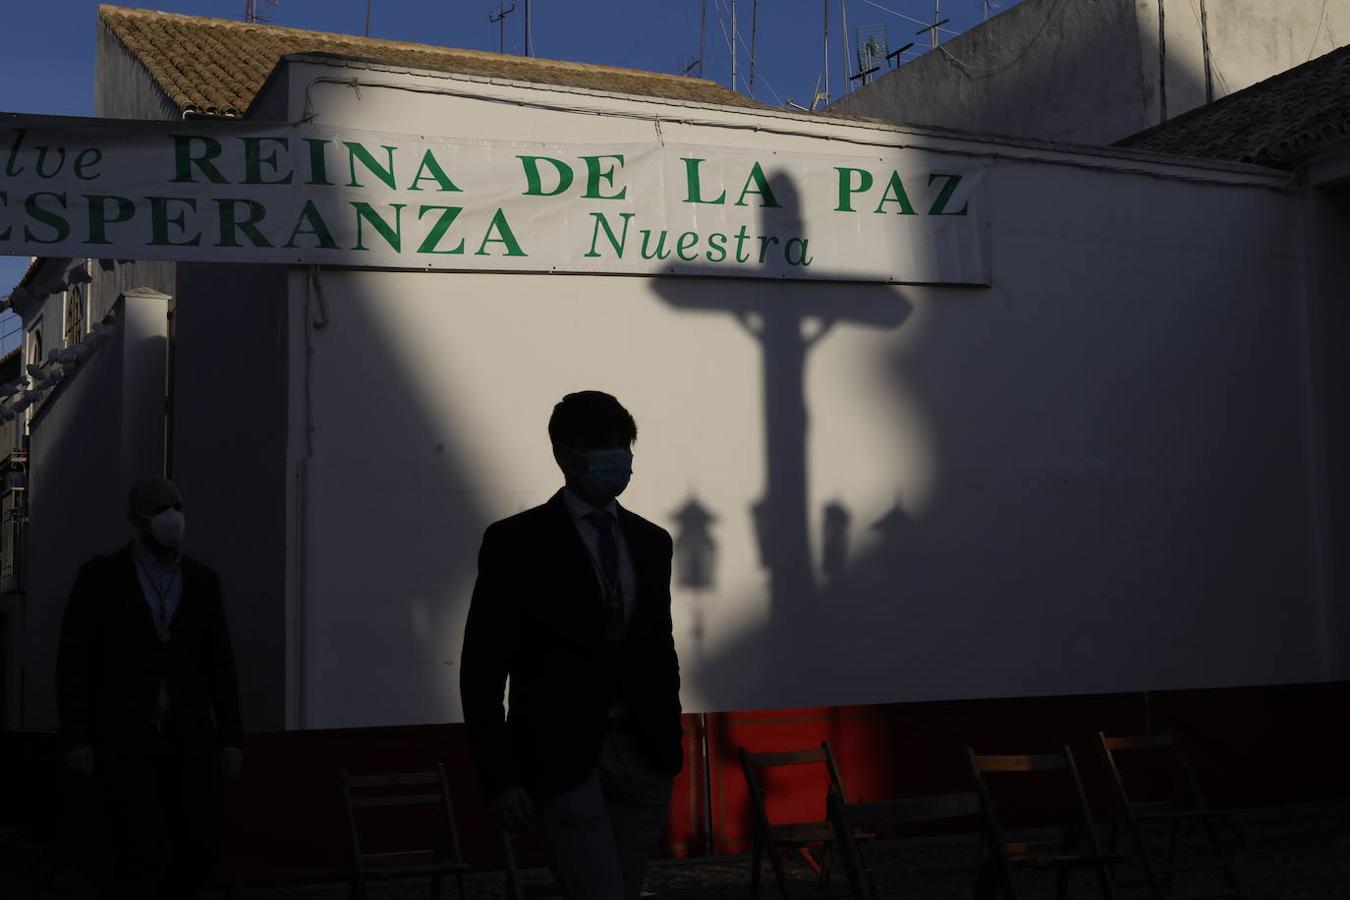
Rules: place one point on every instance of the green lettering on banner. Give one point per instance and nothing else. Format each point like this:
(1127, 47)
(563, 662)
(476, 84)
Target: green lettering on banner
(94, 157)
(802, 259)
(693, 189)
(944, 196)
(356, 152)
(230, 224)
(499, 225)
(895, 193)
(55, 221)
(4, 204)
(318, 162)
(160, 220)
(756, 177)
(10, 170)
(741, 236)
(438, 230)
(717, 246)
(682, 245)
(660, 252)
(616, 242)
(42, 157)
(98, 215)
(317, 227)
(393, 235)
(594, 175)
(847, 189)
(254, 160)
(437, 174)
(534, 182)
(765, 241)
(184, 160)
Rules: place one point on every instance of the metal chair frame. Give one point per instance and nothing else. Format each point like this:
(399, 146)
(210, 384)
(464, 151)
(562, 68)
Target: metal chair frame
(374, 791)
(1079, 846)
(1187, 804)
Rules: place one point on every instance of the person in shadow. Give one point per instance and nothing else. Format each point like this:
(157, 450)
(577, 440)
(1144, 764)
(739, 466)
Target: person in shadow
(572, 603)
(149, 702)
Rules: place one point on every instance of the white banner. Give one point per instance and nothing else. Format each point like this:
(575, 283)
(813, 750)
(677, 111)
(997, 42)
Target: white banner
(255, 192)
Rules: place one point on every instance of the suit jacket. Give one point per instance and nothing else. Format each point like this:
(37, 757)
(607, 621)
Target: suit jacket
(538, 615)
(111, 662)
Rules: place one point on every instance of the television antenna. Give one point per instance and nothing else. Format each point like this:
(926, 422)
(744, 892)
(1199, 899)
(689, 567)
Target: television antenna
(938, 22)
(499, 18)
(873, 50)
(754, 36)
(251, 13)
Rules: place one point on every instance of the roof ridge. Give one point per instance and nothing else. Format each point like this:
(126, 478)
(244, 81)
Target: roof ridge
(1220, 105)
(108, 10)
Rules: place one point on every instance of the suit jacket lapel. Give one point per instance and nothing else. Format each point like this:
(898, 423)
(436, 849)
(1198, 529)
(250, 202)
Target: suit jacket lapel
(641, 570)
(129, 588)
(573, 551)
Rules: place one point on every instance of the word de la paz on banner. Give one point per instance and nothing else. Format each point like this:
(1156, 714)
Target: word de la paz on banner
(176, 219)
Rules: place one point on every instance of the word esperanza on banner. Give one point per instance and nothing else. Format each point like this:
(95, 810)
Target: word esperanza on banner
(259, 192)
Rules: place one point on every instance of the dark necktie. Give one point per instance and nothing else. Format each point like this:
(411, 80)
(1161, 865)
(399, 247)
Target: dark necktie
(609, 572)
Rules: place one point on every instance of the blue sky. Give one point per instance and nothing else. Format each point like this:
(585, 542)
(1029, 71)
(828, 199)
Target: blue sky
(47, 63)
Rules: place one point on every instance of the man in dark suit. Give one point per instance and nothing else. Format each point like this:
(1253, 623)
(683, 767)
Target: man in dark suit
(149, 701)
(572, 603)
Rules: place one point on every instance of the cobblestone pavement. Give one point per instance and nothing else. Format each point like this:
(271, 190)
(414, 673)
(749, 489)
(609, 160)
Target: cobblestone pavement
(1298, 853)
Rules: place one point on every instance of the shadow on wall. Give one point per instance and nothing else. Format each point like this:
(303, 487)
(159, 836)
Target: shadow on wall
(1077, 71)
(787, 319)
(1073, 408)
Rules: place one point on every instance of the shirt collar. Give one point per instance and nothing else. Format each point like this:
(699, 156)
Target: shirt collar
(580, 509)
(148, 559)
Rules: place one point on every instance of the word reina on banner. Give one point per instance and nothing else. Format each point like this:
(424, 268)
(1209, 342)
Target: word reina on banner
(241, 192)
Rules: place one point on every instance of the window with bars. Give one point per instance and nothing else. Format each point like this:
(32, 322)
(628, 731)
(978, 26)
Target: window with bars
(74, 318)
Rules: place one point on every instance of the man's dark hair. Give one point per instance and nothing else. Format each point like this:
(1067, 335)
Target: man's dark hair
(591, 419)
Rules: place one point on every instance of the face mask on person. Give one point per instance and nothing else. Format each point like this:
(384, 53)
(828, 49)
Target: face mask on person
(167, 528)
(607, 473)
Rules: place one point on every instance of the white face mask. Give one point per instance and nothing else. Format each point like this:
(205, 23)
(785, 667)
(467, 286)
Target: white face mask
(167, 528)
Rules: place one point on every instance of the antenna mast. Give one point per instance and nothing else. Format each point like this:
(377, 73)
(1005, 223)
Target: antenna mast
(368, 18)
(827, 54)
(702, 27)
(733, 45)
(843, 41)
(251, 13)
(527, 27)
(754, 36)
(938, 22)
(499, 18)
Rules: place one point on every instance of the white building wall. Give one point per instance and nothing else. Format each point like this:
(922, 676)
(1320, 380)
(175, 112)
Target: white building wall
(1094, 71)
(99, 430)
(1094, 476)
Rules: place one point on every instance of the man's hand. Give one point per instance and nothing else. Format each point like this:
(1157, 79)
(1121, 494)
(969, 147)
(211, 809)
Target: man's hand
(81, 760)
(234, 761)
(512, 809)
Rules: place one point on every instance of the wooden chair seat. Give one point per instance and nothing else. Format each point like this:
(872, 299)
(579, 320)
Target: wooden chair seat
(770, 837)
(1187, 804)
(441, 855)
(800, 832)
(1077, 849)
(1059, 860)
(1180, 815)
(992, 874)
(409, 863)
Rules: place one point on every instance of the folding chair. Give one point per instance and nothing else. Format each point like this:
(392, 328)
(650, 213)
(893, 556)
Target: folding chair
(516, 888)
(799, 836)
(992, 874)
(442, 857)
(1186, 805)
(1078, 846)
